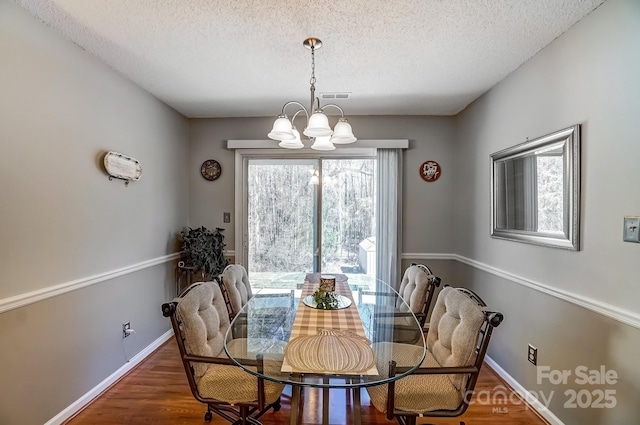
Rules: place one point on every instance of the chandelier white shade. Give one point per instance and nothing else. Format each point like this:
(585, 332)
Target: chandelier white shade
(317, 129)
(323, 143)
(318, 126)
(296, 143)
(342, 133)
(314, 178)
(282, 129)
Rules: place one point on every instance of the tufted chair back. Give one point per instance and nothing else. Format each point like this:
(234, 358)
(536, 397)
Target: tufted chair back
(416, 289)
(413, 288)
(203, 318)
(200, 322)
(458, 337)
(235, 283)
(454, 330)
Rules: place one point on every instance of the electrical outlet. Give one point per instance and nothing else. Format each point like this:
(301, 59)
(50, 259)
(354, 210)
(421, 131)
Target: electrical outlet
(125, 328)
(532, 355)
(226, 217)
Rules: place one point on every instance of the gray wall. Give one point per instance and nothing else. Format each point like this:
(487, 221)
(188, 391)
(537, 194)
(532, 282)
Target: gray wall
(588, 76)
(426, 206)
(62, 220)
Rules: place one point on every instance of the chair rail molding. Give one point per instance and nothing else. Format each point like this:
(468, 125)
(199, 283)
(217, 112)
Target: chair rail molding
(605, 309)
(31, 297)
(427, 256)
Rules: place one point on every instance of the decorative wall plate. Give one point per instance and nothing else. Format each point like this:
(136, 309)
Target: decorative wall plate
(211, 169)
(430, 171)
(122, 166)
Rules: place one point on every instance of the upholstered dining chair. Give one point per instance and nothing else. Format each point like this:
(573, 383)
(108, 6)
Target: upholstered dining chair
(236, 288)
(200, 322)
(417, 289)
(237, 291)
(457, 340)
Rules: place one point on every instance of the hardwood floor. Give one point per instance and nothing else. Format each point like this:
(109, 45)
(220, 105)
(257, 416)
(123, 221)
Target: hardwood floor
(157, 392)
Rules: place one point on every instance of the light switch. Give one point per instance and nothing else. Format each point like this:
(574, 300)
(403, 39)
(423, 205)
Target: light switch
(226, 217)
(631, 229)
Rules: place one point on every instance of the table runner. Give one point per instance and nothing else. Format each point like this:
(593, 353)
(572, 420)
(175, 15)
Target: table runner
(345, 322)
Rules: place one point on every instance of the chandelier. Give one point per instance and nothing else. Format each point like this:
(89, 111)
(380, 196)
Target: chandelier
(317, 129)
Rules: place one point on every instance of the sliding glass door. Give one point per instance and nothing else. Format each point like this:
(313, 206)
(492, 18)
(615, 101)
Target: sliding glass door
(309, 215)
(282, 238)
(348, 217)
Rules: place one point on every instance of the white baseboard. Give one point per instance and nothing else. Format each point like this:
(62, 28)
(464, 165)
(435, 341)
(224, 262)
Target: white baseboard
(630, 318)
(531, 400)
(80, 403)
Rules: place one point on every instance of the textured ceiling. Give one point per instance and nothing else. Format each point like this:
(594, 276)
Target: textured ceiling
(213, 58)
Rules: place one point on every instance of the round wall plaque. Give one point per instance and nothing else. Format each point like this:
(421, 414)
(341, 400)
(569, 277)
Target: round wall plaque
(430, 171)
(210, 169)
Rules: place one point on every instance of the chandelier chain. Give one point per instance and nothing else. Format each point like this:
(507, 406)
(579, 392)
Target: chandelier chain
(317, 130)
(312, 81)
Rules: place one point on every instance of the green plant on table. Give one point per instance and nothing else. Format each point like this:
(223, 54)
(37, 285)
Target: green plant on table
(325, 300)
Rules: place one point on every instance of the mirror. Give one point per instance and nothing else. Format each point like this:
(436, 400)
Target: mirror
(535, 191)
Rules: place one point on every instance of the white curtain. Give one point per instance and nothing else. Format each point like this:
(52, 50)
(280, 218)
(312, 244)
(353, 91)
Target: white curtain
(389, 216)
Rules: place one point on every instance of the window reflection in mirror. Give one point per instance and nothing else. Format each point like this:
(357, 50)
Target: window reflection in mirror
(535, 191)
(531, 191)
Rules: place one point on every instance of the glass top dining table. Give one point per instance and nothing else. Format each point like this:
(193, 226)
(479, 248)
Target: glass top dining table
(297, 343)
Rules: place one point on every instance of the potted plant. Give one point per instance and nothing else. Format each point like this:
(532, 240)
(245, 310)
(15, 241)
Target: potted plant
(203, 251)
